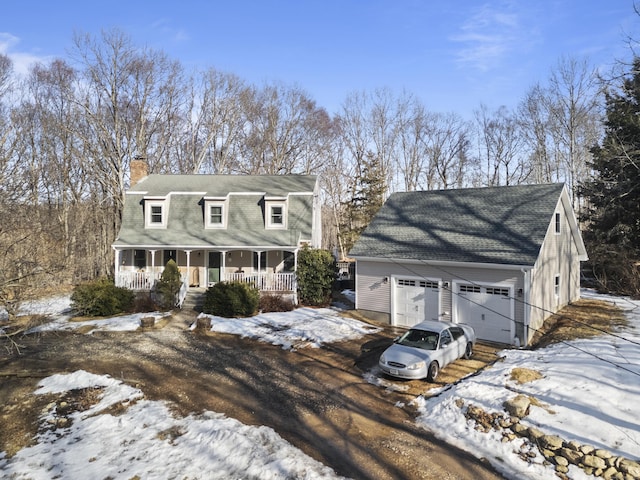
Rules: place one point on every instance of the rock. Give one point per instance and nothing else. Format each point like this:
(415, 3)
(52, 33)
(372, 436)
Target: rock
(605, 454)
(561, 461)
(520, 429)
(562, 469)
(147, 322)
(459, 403)
(203, 323)
(573, 445)
(573, 456)
(548, 454)
(551, 442)
(594, 462)
(630, 468)
(610, 473)
(535, 434)
(517, 406)
(586, 449)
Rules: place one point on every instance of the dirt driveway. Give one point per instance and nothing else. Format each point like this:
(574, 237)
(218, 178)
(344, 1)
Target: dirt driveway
(317, 399)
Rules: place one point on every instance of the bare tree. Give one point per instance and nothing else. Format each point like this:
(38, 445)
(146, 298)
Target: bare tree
(574, 118)
(213, 123)
(501, 147)
(447, 145)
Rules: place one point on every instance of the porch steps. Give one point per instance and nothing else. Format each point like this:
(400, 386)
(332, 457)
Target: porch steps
(194, 300)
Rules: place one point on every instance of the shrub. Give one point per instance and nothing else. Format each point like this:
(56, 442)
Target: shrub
(231, 299)
(168, 286)
(316, 274)
(274, 303)
(101, 298)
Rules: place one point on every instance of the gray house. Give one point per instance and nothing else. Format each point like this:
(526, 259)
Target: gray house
(216, 227)
(501, 259)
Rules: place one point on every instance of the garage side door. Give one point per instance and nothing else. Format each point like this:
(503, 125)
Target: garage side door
(415, 301)
(488, 309)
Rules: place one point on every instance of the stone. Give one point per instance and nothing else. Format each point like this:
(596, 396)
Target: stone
(459, 403)
(517, 406)
(535, 434)
(562, 469)
(610, 473)
(586, 449)
(561, 461)
(203, 323)
(147, 322)
(549, 454)
(573, 456)
(551, 442)
(594, 462)
(605, 454)
(573, 445)
(630, 468)
(520, 429)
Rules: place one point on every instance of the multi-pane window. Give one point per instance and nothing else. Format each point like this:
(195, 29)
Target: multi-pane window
(557, 221)
(156, 214)
(556, 286)
(215, 214)
(277, 215)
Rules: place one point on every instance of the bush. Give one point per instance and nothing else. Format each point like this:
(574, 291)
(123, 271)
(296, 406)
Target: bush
(168, 286)
(101, 298)
(316, 274)
(274, 303)
(231, 299)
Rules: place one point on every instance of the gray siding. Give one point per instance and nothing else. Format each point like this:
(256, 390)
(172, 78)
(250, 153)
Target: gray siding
(558, 256)
(374, 296)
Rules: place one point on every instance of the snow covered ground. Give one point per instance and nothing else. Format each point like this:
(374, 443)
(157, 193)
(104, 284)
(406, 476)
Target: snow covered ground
(589, 392)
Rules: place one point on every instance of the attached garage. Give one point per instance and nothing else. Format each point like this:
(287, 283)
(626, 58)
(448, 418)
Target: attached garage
(415, 300)
(489, 309)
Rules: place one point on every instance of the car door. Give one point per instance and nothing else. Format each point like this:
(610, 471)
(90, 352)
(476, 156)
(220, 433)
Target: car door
(449, 348)
(459, 339)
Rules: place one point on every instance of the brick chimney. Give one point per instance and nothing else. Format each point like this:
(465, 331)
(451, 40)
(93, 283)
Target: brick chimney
(138, 170)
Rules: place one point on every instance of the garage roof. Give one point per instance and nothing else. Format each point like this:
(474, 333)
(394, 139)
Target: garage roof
(497, 225)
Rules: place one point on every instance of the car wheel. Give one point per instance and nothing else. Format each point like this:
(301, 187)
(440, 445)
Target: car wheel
(468, 351)
(432, 373)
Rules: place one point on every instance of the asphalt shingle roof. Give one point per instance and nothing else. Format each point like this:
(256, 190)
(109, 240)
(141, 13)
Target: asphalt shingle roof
(245, 222)
(499, 225)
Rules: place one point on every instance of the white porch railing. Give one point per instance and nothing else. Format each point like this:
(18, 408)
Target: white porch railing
(136, 280)
(265, 282)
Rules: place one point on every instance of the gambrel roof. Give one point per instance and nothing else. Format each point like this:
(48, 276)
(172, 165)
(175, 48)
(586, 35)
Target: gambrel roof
(494, 225)
(185, 196)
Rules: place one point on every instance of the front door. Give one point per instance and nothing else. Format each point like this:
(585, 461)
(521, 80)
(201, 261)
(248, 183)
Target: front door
(214, 267)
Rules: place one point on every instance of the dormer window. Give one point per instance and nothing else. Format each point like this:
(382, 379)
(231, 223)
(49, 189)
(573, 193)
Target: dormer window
(276, 213)
(155, 213)
(215, 214)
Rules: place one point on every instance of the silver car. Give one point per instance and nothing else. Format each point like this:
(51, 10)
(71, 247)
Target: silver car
(429, 346)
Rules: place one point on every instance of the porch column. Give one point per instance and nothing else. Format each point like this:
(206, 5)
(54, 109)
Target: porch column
(188, 252)
(117, 264)
(223, 265)
(153, 265)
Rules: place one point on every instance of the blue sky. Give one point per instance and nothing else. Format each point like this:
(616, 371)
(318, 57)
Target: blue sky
(452, 54)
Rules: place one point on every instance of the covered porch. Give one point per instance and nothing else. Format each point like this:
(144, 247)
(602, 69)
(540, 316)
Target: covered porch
(267, 270)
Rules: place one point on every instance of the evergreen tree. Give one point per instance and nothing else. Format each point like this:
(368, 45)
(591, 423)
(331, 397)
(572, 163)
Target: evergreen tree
(366, 201)
(612, 216)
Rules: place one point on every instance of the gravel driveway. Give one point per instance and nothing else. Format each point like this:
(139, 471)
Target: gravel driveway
(317, 399)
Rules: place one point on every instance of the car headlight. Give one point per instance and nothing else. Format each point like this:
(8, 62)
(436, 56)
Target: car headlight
(416, 366)
(382, 359)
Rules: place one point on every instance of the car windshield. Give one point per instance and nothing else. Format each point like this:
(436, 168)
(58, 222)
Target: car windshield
(419, 339)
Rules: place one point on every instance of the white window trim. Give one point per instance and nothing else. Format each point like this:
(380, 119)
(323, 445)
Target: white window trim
(556, 286)
(207, 217)
(148, 204)
(557, 223)
(270, 224)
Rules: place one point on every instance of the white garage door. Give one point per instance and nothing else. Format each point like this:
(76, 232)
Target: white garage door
(488, 309)
(415, 300)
